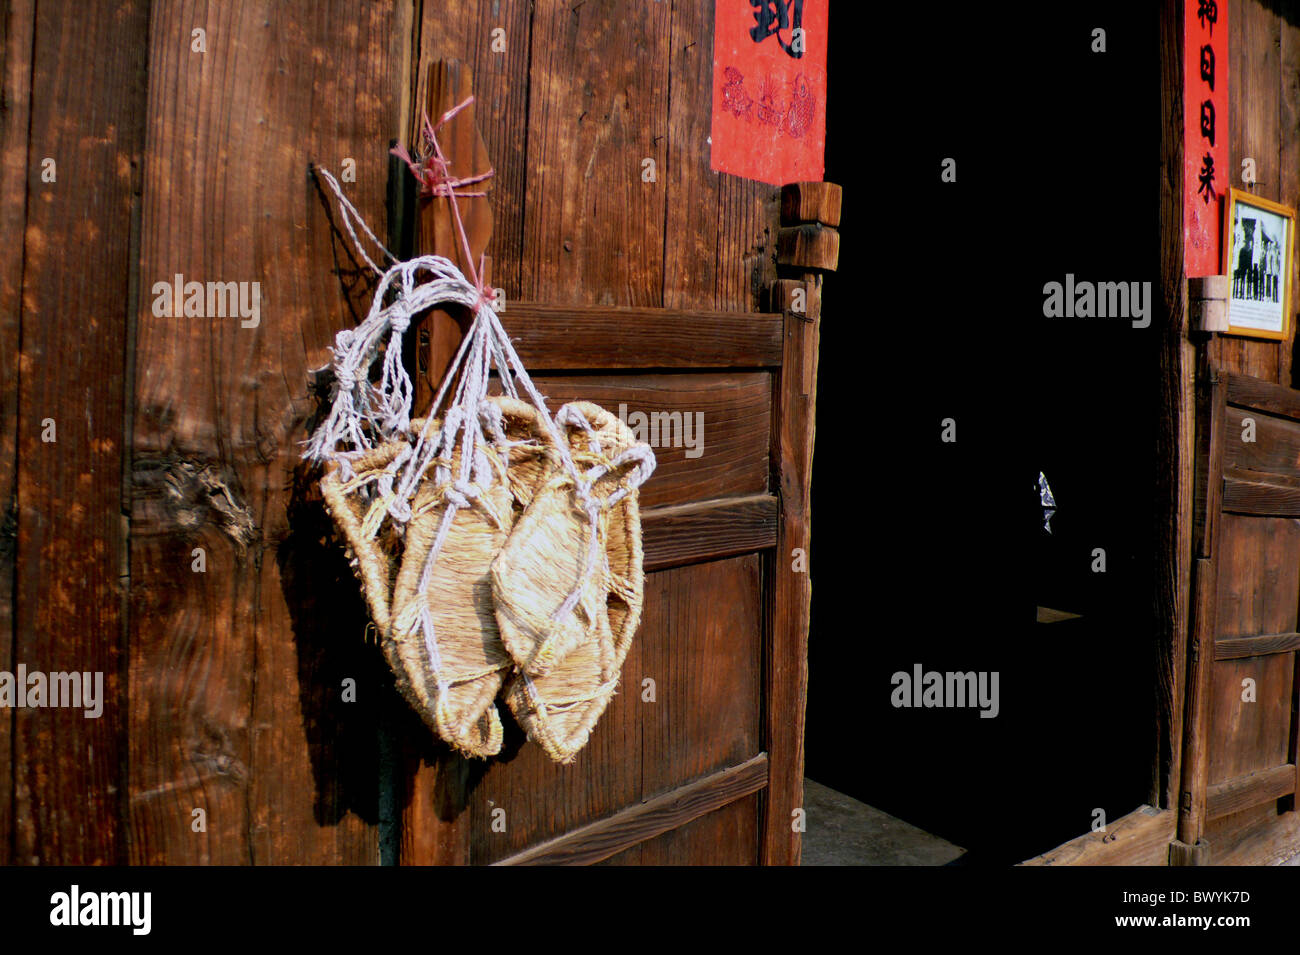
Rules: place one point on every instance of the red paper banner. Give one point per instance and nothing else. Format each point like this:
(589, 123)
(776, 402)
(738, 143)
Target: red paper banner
(1206, 175)
(769, 89)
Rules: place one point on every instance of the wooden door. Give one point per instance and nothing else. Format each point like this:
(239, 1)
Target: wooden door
(169, 537)
(1240, 750)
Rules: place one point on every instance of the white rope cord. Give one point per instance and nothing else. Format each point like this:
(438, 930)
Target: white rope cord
(362, 415)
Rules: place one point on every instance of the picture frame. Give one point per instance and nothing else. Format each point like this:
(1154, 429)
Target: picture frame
(1259, 272)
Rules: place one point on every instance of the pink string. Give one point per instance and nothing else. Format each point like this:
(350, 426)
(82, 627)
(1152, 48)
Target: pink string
(433, 173)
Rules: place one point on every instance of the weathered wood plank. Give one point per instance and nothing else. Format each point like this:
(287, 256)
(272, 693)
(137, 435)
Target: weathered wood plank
(466, 30)
(236, 671)
(1255, 594)
(597, 110)
(16, 171)
(633, 825)
(1140, 838)
(725, 836)
(1175, 449)
(719, 245)
(563, 337)
(786, 683)
(812, 202)
(1232, 648)
(688, 706)
(1254, 93)
(809, 246)
(1255, 441)
(88, 117)
(1250, 734)
(1289, 164)
(710, 432)
(708, 530)
(1271, 840)
(1260, 499)
(1254, 789)
(1247, 392)
(1197, 730)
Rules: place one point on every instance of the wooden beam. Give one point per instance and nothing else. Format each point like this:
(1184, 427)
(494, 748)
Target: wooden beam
(809, 246)
(1175, 450)
(1234, 648)
(606, 837)
(812, 202)
(561, 337)
(709, 530)
(1243, 792)
(14, 174)
(794, 424)
(449, 84)
(1140, 838)
(1245, 391)
(1211, 405)
(1259, 498)
(1267, 843)
(435, 830)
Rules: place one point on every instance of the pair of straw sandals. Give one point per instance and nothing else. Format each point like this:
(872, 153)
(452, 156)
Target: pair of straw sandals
(535, 590)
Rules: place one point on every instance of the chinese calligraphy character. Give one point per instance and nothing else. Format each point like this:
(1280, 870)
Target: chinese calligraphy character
(773, 16)
(1207, 121)
(1207, 65)
(1206, 178)
(1207, 11)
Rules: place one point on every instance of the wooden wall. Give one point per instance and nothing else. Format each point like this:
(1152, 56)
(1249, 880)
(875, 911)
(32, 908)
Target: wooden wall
(1264, 84)
(180, 434)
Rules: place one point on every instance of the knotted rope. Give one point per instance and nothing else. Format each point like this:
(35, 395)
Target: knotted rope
(363, 415)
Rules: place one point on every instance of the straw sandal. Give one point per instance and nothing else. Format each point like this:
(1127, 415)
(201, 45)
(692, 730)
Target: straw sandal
(452, 675)
(569, 662)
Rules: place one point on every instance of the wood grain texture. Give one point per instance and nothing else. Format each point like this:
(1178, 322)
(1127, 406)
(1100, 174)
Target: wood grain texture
(726, 836)
(1266, 838)
(16, 28)
(1260, 499)
(708, 530)
(464, 30)
(1268, 444)
(1258, 558)
(730, 454)
(809, 246)
(1254, 94)
(641, 338)
(699, 642)
(786, 677)
(449, 85)
(1211, 403)
(1289, 164)
(598, 107)
(67, 770)
(636, 824)
(1231, 648)
(1267, 396)
(812, 202)
(719, 241)
(1174, 438)
(236, 673)
(1140, 838)
(430, 833)
(1250, 736)
(1253, 789)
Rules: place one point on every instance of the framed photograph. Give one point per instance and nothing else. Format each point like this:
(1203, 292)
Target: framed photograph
(1258, 243)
